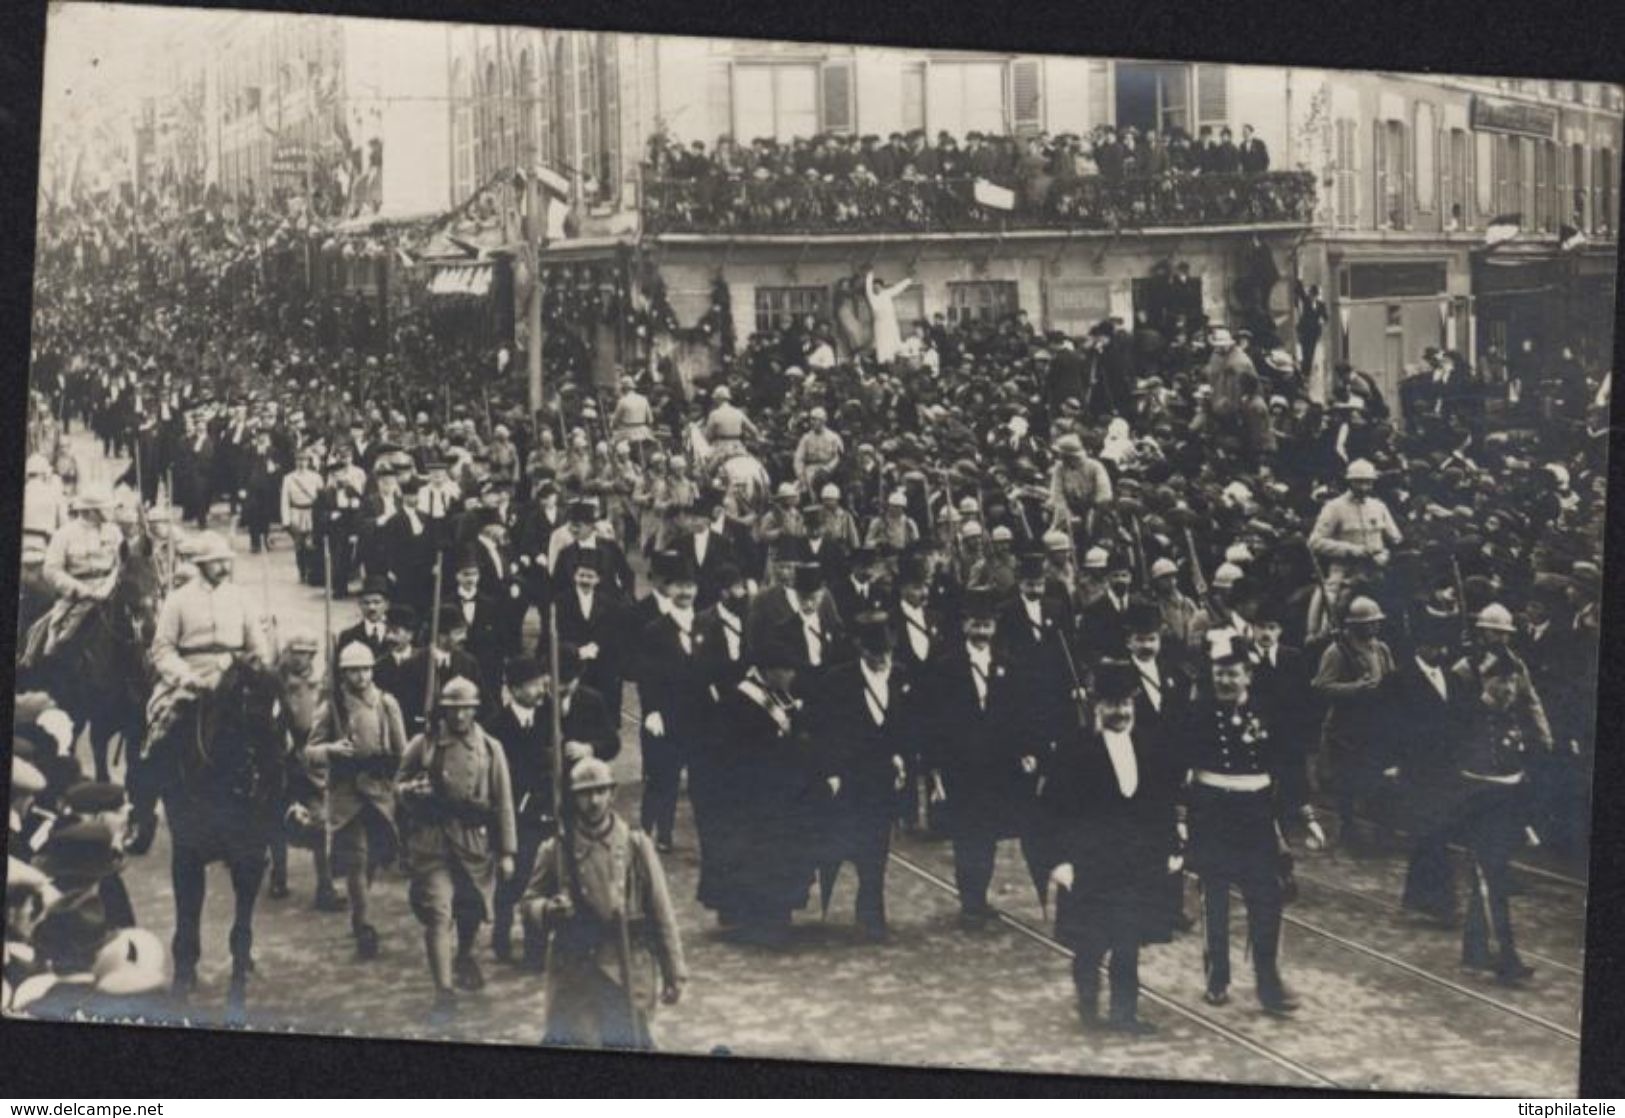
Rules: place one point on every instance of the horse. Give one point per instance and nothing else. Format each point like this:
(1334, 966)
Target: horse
(223, 783)
(744, 475)
(100, 674)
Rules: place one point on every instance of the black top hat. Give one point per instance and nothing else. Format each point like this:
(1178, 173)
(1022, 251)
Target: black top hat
(588, 559)
(582, 512)
(521, 670)
(913, 570)
(377, 584)
(1030, 565)
(402, 617)
(863, 556)
(776, 654)
(873, 631)
(979, 604)
(1141, 617)
(468, 559)
(1271, 611)
(1118, 561)
(729, 574)
(671, 566)
(809, 578)
(80, 852)
(91, 797)
(1116, 681)
(452, 618)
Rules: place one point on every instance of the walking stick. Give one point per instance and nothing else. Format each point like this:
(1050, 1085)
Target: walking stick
(555, 737)
(434, 639)
(332, 671)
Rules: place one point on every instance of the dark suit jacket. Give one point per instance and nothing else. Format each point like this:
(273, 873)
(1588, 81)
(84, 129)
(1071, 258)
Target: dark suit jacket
(1118, 845)
(973, 746)
(358, 632)
(1102, 633)
(770, 608)
(616, 572)
(1426, 729)
(607, 628)
(671, 681)
(936, 632)
(405, 681)
(1283, 691)
(719, 552)
(849, 744)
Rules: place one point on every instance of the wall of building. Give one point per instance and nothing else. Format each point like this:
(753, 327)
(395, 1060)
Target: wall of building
(396, 90)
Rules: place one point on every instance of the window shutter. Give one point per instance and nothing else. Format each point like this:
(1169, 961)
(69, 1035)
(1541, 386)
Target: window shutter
(839, 115)
(1447, 176)
(1407, 173)
(1099, 92)
(1026, 96)
(1212, 94)
(609, 117)
(1379, 162)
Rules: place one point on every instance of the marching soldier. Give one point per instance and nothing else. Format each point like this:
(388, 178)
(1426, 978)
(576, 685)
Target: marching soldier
(358, 739)
(301, 690)
(599, 896)
(460, 837)
(1355, 677)
(1243, 781)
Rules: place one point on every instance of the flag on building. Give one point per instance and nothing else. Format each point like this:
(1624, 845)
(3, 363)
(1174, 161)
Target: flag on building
(993, 195)
(1503, 228)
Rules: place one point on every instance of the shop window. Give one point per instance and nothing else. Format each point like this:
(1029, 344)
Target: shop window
(984, 301)
(778, 307)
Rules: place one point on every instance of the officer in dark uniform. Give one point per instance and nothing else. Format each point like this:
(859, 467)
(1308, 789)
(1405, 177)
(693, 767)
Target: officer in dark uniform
(1243, 782)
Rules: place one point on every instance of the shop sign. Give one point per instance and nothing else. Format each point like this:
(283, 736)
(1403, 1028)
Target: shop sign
(1492, 115)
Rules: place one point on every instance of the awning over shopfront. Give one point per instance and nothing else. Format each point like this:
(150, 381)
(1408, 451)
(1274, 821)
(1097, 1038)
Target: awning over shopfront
(462, 279)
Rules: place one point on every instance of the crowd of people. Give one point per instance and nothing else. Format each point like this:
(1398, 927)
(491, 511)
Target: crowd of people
(1104, 179)
(1134, 601)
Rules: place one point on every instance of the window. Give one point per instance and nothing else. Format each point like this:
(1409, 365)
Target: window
(1577, 194)
(839, 112)
(1487, 167)
(1605, 191)
(778, 307)
(1347, 197)
(778, 102)
(964, 97)
(607, 162)
(1026, 96)
(1456, 174)
(1392, 175)
(1427, 151)
(527, 109)
(984, 301)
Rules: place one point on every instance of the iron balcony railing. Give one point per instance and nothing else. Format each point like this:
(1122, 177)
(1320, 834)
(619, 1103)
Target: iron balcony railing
(809, 205)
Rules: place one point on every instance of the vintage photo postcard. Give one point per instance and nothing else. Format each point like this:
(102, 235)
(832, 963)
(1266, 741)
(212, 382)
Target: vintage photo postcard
(801, 550)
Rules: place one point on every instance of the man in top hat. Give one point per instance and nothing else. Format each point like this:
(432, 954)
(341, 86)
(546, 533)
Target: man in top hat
(357, 743)
(261, 475)
(861, 587)
(864, 720)
(1429, 711)
(979, 775)
(522, 724)
(614, 572)
(480, 609)
(1101, 624)
(439, 499)
(598, 895)
(405, 673)
(1243, 780)
(596, 624)
(459, 836)
(1282, 676)
(707, 550)
(1036, 632)
(372, 630)
(814, 631)
(672, 693)
(1108, 828)
(1166, 690)
(1355, 678)
(776, 604)
(338, 518)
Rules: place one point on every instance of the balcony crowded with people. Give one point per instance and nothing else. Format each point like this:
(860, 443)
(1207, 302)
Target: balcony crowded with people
(839, 183)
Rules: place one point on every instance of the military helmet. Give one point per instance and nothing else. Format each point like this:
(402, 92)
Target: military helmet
(460, 692)
(210, 547)
(1360, 470)
(1364, 611)
(591, 773)
(357, 654)
(1496, 617)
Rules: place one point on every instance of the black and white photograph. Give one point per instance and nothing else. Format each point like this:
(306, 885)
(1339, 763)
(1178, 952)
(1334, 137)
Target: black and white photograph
(811, 551)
